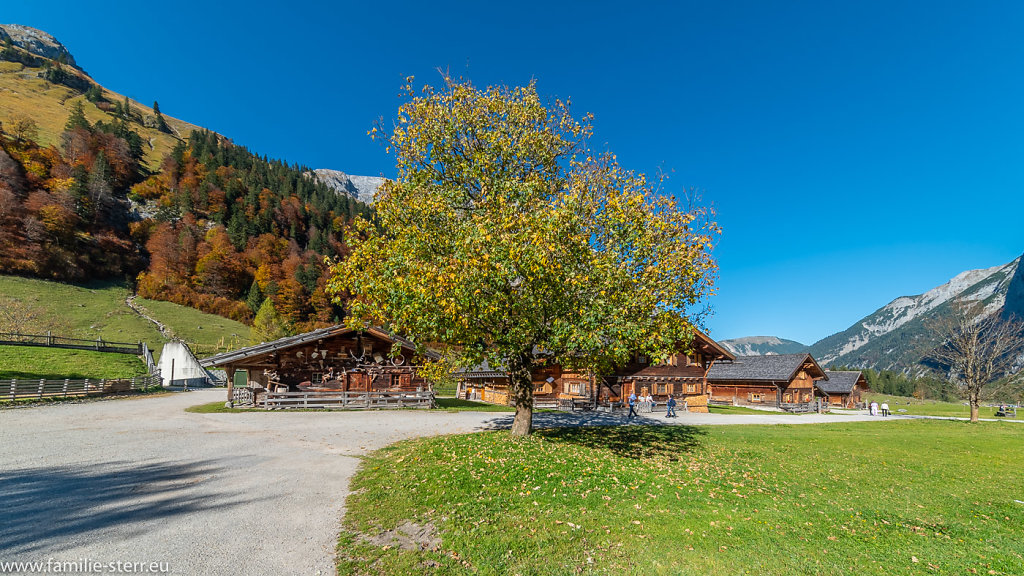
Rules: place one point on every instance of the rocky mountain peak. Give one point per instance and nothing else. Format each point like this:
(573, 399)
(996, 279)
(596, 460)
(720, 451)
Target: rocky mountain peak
(37, 42)
(361, 188)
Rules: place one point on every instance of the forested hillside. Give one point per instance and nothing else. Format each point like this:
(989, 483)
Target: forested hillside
(96, 186)
(228, 229)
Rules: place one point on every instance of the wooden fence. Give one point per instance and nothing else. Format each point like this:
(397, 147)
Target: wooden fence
(38, 389)
(346, 400)
(51, 341)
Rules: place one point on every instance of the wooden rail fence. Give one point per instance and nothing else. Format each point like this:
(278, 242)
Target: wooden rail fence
(51, 341)
(346, 400)
(38, 389)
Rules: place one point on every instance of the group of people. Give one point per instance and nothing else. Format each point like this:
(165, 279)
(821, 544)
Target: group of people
(875, 410)
(646, 403)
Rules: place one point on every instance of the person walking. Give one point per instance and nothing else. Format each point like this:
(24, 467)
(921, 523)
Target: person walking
(649, 400)
(873, 410)
(670, 407)
(632, 406)
(885, 408)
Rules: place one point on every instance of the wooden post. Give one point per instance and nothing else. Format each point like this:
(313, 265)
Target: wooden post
(65, 387)
(14, 388)
(230, 371)
(41, 384)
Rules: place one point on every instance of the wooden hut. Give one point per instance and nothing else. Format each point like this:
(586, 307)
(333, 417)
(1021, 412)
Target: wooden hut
(683, 376)
(843, 388)
(784, 381)
(329, 359)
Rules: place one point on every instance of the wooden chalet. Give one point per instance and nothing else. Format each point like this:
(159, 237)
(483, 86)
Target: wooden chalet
(683, 376)
(843, 388)
(784, 381)
(330, 359)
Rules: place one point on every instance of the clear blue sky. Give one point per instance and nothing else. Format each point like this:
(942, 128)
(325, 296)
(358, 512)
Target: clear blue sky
(854, 153)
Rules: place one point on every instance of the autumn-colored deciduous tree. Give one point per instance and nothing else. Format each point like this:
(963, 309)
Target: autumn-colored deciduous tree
(268, 325)
(979, 352)
(504, 238)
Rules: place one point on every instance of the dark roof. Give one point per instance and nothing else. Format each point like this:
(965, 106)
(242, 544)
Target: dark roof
(769, 368)
(300, 339)
(839, 382)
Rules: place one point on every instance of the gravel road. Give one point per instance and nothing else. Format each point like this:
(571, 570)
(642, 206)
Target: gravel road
(141, 480)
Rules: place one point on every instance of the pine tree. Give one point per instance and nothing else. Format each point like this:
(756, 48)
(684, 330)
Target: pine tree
(77, 118)
(161, 124)
(255, 297)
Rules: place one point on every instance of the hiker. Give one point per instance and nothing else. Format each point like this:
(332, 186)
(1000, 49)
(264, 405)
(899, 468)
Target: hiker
(632, 405)
(885, 408)
(671, 407)
(873, 409)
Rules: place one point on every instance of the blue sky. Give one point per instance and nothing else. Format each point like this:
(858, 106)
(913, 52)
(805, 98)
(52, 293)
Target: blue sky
(853, 153)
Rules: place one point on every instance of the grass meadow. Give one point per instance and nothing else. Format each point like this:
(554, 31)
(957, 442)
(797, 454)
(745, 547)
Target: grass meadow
(895, 497)
(914, 406)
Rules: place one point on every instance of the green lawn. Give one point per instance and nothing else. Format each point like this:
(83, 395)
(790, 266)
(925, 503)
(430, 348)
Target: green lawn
(457, 405)
(898, 497)
(57, 364)
(914, 406)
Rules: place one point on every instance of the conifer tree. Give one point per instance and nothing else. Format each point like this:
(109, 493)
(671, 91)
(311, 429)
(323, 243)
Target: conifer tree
(77, 118)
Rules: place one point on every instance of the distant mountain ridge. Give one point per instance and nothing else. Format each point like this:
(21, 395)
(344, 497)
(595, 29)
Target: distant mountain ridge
(897, 336)
(762, 346)
(361, 188)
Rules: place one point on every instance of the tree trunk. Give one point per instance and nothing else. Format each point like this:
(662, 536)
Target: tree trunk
(521, 390)
(974, 410)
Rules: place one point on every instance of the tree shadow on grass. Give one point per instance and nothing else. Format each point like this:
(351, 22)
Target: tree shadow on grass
(46, 507)
(669, 442)
(642, 437)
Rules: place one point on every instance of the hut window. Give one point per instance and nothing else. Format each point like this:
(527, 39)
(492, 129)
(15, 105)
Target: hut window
(673, 360)
(662, 389)
(641, 359)
(691, 388)
(755, 397)
(802, 375)
(576, 388)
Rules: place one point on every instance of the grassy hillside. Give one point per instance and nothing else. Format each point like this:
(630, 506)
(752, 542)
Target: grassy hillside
(899, 497)
(56, 364)
(99, 311)
(24, 93)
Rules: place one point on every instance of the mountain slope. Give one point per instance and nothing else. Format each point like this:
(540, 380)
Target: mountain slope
(26, 93)
(897, 336)
(762, 345)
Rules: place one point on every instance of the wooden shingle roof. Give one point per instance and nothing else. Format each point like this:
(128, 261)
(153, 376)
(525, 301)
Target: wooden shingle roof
(305, 338)
(839, 381)
(770, 368)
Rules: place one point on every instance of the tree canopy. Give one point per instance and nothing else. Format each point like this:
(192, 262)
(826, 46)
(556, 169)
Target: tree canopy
(504, 238)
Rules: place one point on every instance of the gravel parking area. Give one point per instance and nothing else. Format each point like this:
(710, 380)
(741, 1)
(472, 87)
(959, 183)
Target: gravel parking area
(141, 480)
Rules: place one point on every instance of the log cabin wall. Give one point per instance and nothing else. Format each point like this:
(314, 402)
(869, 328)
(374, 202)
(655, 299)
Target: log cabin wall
(746, 393)
(349, 362)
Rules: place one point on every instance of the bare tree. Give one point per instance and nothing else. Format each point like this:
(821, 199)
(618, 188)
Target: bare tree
(980, 353)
